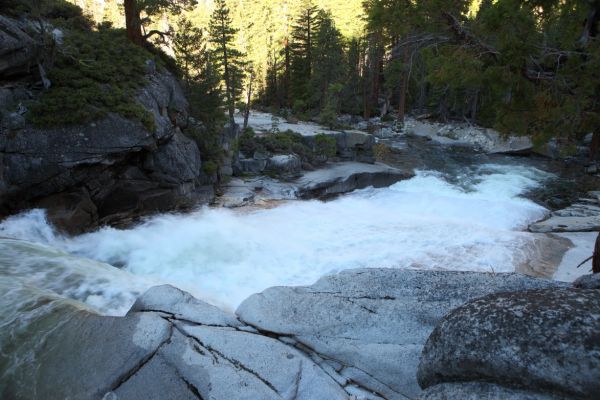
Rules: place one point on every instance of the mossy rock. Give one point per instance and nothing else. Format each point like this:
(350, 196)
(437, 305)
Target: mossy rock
(94, 73)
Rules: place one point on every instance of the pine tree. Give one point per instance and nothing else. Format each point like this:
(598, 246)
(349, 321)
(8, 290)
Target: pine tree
(150, 8)
(228, 59)
(328, 61)
(302, 48)
(189, 48)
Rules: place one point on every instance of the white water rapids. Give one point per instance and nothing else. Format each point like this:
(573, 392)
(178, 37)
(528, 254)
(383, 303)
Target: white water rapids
(223, 256)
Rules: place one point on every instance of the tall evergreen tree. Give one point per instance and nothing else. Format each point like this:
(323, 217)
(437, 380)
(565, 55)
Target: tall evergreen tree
(228, 59)
(328, 61)
(302, 48)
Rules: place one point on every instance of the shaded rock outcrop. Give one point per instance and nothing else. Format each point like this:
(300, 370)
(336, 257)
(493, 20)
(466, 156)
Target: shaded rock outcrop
(545, 341)
(370, 325)
(110, 171)
(19, 51)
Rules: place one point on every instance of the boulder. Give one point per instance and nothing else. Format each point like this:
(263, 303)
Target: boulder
(510, 145)
(482, 390)
(542, 340)
(345, 177)
(352, 144)
(370, 325)
(284, 164)
(591, 281)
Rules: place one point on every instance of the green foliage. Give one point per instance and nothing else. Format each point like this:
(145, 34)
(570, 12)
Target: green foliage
(91, 78)
(302, 47)
(329, 64)
(325, 145)
(299, 107)
(51, 9)
(203, 93)
(189, 48)
(209, 143)
(228, 60)
(247, 142)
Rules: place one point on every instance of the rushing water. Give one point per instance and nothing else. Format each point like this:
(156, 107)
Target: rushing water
(472, 220)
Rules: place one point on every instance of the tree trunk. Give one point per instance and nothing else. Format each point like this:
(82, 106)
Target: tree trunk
(229, 89)
(474, 104)
(403, 87)
(596, 258)
(594, 145)
(133, 22)
(286, 84)
(590, 28)
(249, 97)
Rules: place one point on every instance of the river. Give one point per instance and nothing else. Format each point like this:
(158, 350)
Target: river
(467, 213)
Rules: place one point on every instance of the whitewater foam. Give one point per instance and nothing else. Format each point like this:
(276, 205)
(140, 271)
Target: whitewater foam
(223, 256)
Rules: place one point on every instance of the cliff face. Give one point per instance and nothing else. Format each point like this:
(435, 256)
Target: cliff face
(105, 172)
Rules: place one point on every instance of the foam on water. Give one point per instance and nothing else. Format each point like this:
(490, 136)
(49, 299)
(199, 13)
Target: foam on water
(223, 256)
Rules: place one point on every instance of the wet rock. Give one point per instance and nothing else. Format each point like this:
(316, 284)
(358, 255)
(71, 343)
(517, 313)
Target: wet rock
(538, 340)
(581, 216)
(182, 306)
(347, 176)
(70, 212)
(590, 281)
(373, 322)
(169, 345)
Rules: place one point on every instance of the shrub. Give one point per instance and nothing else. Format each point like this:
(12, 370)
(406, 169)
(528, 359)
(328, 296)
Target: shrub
(247, 142)
(299, 107)
(381, 152)
(325, 145)
(328, 116)
(95, 72)
(210, 167)
(208, 141)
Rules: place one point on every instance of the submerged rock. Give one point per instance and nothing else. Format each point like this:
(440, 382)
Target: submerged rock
(545, 340)
(371, 324)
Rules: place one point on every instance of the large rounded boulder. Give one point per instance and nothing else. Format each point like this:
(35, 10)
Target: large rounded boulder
(545, 341)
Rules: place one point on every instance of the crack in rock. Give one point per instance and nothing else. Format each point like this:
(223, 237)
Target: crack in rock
(128, 374)
(236, 363)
